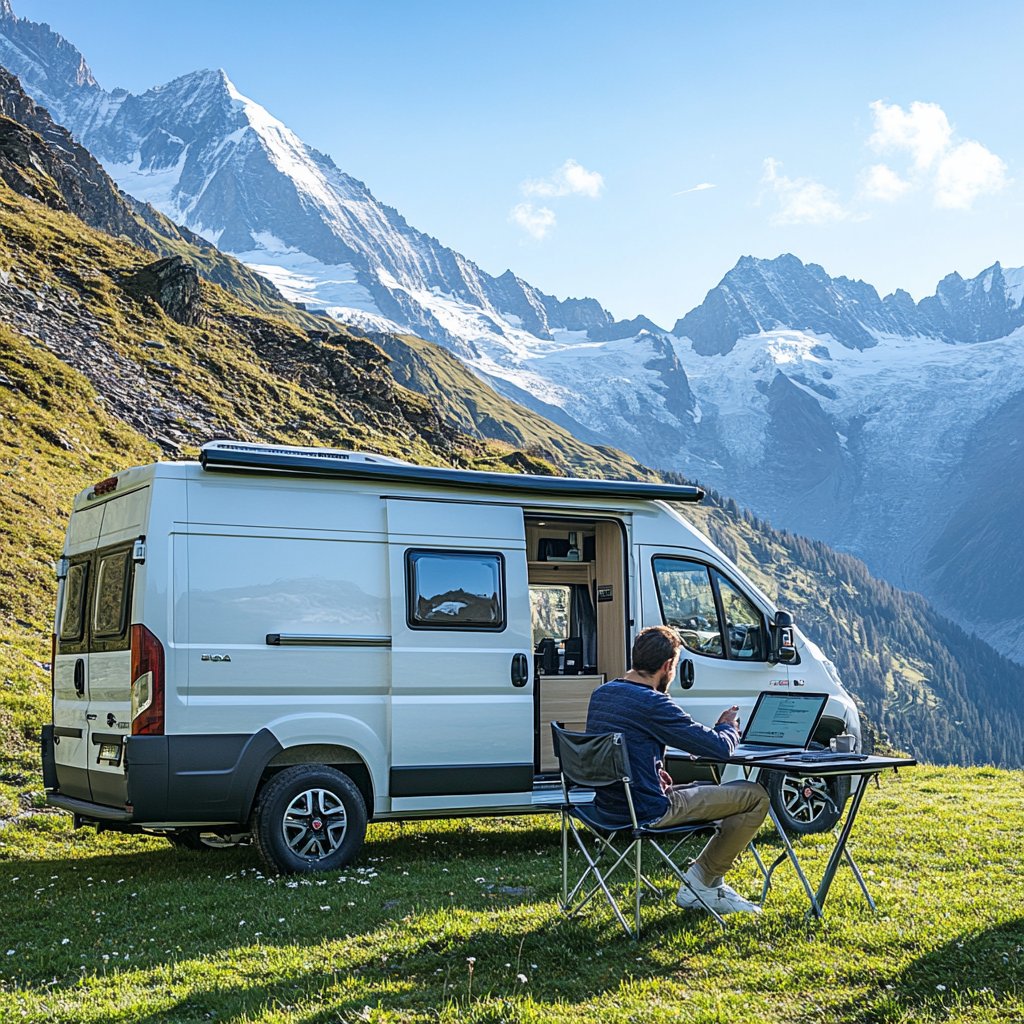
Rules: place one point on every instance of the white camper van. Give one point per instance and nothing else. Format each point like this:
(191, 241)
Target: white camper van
(287, 642)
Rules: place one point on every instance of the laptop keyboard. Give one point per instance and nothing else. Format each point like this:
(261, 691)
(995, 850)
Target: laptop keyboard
(814, 756)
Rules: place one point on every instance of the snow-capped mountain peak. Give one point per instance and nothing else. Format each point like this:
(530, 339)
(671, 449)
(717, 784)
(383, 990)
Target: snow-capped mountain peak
(861, 420)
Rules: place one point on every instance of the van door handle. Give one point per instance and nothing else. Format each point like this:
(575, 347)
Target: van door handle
(520, 670)
(80, 677)
(686, 674)
(90, 716)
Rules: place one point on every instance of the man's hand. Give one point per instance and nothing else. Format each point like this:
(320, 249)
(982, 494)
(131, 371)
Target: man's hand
(730, 717)
(666, 780)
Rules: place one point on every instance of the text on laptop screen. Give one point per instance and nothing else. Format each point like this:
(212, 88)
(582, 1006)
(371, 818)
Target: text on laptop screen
(783, 720)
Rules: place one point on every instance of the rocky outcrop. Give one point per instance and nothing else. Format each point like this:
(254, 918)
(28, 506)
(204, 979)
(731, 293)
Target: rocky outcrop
(39, 159)
(85, 188)
(172, 284)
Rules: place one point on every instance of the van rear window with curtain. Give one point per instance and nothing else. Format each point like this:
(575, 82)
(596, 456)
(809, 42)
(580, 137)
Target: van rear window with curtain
(72, 620)
(455, 590)
(111, 594)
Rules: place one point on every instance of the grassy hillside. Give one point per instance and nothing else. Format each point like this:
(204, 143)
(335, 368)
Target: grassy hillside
(929, 687)
(435, 920)
(92, 379)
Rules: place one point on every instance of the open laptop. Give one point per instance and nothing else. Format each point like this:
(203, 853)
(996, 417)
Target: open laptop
(781, 723)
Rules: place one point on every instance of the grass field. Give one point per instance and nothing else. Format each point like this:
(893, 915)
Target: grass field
(436, 920)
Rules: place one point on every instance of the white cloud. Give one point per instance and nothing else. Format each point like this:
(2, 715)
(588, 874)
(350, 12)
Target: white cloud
(801, 200)
(571, 178)
(956, 171)
(967, 172)
(696, 188)
(536, 222)
(925, 130)
(883, 183)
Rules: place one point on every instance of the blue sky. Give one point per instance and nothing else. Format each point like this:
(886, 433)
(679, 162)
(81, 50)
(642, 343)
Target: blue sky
(880, 140)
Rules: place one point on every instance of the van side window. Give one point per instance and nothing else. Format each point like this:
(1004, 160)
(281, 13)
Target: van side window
(688, 604)
(744, 624)
(73, 618)
(112, 584)
(455, 590)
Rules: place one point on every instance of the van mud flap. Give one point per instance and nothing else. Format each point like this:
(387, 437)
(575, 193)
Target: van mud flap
(49, 758)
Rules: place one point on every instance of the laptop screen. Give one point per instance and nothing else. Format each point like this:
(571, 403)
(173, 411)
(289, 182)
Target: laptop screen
(784, 719)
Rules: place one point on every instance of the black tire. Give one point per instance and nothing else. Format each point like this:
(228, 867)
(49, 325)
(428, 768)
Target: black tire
(806, 806)
(309, 818)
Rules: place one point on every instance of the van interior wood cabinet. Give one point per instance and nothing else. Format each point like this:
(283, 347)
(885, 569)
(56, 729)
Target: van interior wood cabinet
(563, 699)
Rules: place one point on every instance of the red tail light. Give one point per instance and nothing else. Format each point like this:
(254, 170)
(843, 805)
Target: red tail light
(147, 683)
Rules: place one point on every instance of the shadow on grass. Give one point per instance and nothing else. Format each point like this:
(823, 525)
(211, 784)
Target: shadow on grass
(405, 941)
(979, 971)
(411, 966)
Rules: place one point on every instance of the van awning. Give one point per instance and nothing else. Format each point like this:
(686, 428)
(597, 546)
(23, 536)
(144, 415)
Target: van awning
(333, 462)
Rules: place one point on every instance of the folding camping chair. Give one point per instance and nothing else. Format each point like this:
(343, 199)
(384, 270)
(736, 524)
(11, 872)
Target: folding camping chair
(595, 761)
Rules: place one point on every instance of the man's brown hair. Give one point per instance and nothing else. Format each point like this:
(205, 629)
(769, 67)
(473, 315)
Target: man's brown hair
(653, 647)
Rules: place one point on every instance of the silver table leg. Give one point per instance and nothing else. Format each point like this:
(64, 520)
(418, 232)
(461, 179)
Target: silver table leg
(839, 853)
(791, 854)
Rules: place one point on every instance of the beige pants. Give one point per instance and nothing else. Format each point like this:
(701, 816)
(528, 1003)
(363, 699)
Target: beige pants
(741, 807)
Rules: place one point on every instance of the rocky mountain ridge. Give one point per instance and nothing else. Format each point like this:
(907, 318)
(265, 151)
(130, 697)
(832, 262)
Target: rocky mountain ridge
(849, 417)
(758, 296)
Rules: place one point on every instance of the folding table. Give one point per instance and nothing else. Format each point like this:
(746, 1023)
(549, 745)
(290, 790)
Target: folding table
(861, 771)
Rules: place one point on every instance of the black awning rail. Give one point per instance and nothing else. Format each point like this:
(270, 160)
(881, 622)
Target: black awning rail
(332, 462)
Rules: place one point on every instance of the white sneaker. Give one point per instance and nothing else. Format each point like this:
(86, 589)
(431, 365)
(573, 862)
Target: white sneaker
(722, 898)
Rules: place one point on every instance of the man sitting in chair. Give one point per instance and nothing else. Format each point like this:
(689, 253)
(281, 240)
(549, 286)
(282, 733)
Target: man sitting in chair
(638, 706)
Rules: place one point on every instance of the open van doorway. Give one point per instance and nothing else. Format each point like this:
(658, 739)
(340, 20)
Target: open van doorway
(579, 603)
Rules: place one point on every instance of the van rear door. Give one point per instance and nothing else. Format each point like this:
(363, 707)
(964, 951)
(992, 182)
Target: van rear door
(110, 658)
(462, 665)
(71, 662)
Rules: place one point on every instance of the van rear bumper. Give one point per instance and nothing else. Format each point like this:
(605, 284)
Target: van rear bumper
(88, 810)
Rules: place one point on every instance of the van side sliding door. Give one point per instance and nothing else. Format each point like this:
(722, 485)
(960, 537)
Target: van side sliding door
(461, 664)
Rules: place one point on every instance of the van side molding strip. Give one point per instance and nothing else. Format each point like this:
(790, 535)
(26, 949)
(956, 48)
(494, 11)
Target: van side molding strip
(460, 779)
(325, 640)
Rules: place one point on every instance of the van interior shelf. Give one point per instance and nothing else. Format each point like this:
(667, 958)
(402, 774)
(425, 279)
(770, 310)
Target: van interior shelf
(240, 455)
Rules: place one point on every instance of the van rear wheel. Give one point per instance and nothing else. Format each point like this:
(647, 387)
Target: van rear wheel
(309, 818)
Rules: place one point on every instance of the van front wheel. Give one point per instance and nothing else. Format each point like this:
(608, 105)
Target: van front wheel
(309, 818)
(805, 806)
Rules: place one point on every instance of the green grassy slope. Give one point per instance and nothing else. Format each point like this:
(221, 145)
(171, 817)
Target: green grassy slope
(473, 407)
(929, 687)
(114, 928)
(92, 380)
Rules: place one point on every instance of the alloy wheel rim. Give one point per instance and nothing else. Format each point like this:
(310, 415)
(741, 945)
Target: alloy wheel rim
(314, 824)
(805, 799)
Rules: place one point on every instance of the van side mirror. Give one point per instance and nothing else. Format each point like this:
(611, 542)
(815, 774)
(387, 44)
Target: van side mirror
(784, 638)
